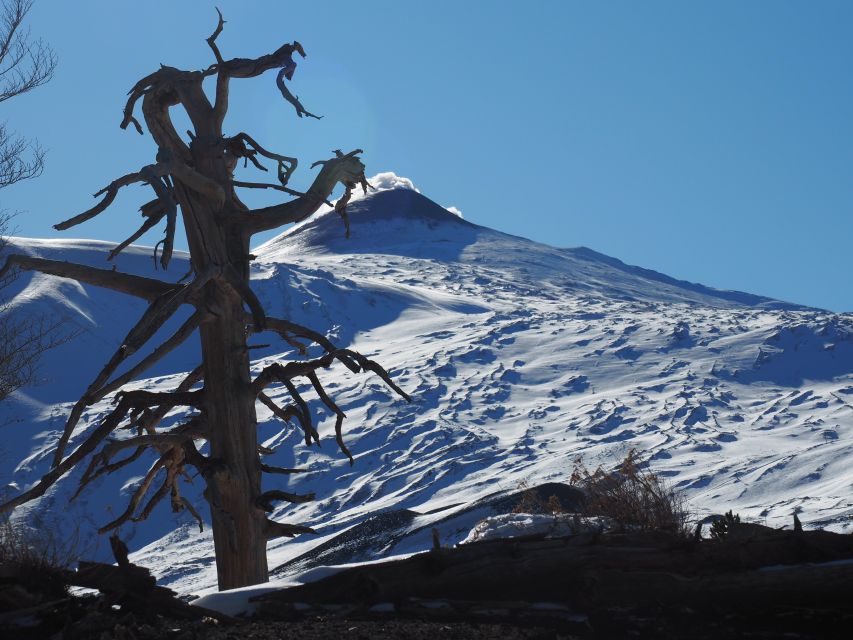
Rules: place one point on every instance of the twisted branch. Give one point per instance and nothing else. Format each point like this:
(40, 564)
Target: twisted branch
(146, 288)
(281, 470)
(138, 494)
(211, 40)
(179, 503)
(286, 165)
(158, 312)
(308, 368)
(151, 418)
(282, 530)
(265, 500)
(334, 408)
(150, 174)
(146, 226)
(286, 329)
(283, 414)
(303, 415)
(111, 191)
(184, 332)
(153, 83)
(344, 168)
(266, 185)
(292, 99)
(110, 423)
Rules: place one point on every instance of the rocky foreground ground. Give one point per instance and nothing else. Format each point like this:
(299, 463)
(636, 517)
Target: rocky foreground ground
(756, 582)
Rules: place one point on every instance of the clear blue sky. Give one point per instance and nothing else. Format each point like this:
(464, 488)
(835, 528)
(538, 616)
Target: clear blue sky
(712, 141)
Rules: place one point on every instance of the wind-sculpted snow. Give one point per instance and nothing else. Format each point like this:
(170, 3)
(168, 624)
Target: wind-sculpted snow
(520, 357)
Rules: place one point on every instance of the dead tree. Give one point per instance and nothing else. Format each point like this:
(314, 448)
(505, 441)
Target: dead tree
(194, 176)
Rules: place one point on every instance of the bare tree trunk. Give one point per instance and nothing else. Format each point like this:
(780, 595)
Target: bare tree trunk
(234, 477)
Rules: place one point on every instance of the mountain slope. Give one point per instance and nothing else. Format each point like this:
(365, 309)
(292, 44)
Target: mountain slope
(519, 357)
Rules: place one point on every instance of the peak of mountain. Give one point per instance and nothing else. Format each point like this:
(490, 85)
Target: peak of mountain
(401, 221)
(397, 220)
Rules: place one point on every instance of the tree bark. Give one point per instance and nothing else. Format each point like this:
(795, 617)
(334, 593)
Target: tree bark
(234, 479)
(232, 471)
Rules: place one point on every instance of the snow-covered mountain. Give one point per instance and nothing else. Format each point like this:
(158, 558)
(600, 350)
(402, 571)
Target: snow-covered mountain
(519, 357)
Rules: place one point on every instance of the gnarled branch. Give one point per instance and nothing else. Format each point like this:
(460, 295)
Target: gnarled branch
(343, 201)
(110, 423)
(308, 368)
(109, 192)
(184, 332)
(252, 67)
(211, 40)
(138, 494)
(244, 146)
(281, 530)
(344, 169)
(152, 174)
(266, 185)
(141, 287)
(90, 474)
(140, 398)
(149, 223)
(179, 502)
(161, 441)
(287, 95)
(283, 414)
(334, 408)
(286, 328)
(281, 470)
(375, 367)
(152, 417)
(267, 498)
(160, 310)
(304, 414)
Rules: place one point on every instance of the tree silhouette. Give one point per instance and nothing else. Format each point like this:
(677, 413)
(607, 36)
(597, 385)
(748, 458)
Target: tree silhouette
(195, 177)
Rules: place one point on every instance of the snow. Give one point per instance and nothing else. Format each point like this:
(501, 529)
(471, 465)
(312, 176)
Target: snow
(519, 356)
(238, 602)
(515, 525)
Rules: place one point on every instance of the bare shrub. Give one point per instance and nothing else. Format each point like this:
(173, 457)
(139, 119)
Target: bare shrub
(721, 526)
(37, 557)
(25, 64)
(38, 546)
(532, 502)
(23, 337)
(632, 497)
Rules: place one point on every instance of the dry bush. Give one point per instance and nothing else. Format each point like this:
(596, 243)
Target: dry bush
(37, 558)
(632, 497)
(23, 337)
(721, 526)
(531, 502)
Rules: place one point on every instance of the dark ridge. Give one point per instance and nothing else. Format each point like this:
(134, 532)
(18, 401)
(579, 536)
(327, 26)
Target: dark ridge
(393, 204)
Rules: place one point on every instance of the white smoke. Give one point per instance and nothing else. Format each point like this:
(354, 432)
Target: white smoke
(389, 180)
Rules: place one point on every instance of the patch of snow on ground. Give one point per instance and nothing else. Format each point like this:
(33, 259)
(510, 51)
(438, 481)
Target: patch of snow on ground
(516, 525)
